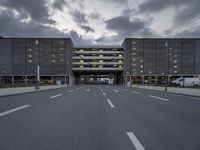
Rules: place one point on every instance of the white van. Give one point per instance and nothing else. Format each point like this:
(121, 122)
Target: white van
(190, 82)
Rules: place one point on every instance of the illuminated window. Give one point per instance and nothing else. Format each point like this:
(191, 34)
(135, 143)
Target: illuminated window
(119, 60)
(81, 50)
(61, 60)
(100, 60)
(81, 55)
(81, 60)
(81, 66)
(30, 56)
(100, 55)
(30, 61)
(100, 66)
(120, 66)
(120, 55)
(53, 61)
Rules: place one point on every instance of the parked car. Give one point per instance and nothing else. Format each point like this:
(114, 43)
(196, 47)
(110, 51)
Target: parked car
(189, 82)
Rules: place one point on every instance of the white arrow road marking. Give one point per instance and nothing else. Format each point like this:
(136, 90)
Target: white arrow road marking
(115, 90)
(135, 141)
(56, 96)
(135, 92)
(70, 91)
(13, 110)
(160, 98)
(87, 90)
(110, 103)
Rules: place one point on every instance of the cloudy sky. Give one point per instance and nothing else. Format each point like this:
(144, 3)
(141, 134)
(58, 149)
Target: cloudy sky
(99, 21)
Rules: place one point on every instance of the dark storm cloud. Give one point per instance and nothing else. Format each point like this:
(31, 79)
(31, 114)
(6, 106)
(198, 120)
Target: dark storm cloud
(78, 39)
(87, 28)
(189, 8)
(59, 4)
(122, 25)
(79, 17)
(36, 9)
(11, 26)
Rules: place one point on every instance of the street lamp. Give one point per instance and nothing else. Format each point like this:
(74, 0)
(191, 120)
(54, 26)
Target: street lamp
(38, 68)
(166, 65)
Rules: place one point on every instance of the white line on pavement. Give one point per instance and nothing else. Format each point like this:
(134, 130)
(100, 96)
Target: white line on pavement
(135, 141)
(160, 98)
(115, 90)
(110, 103)
(87, 90)
(135, 92)
(104, 93)
(13, 110)
(56, 96)
(70, 91)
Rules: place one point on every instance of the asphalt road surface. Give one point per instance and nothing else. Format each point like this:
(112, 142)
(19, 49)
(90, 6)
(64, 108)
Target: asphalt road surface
(99, 117)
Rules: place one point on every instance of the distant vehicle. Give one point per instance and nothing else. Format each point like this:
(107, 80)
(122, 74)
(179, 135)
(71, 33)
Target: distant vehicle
(189, 82)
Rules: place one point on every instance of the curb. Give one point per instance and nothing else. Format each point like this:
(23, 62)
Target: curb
(32, 91)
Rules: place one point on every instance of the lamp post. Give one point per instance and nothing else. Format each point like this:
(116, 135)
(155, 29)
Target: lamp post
(38, 68)
(166, 65)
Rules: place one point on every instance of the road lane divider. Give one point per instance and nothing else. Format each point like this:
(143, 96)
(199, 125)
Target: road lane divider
(13, 110)
(104, 94)
(110, 103)
(54, 96)
(160, 98)
(135, 141)
(135, 92)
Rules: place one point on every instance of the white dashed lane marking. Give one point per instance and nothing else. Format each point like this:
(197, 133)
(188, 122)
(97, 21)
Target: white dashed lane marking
(110, 103)
(160, 98)
(13, 110)
(135, 141)
(56, 96)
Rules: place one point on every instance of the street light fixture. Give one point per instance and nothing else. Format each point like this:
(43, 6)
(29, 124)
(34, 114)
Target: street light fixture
(38, 67)
(166, 65)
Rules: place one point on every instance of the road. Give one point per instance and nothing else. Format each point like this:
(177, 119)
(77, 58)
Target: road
(99, 117)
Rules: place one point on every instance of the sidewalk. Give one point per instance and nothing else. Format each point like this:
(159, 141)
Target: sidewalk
(21, 90)
(184, 91)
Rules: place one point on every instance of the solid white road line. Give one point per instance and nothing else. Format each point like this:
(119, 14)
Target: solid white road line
(87, 90)
(104, 93)
(13, 110)
(135, 141)
(110, 103)
(56, 96)
(115, 90)
(135, 92)
(70, 91)
(160, 98)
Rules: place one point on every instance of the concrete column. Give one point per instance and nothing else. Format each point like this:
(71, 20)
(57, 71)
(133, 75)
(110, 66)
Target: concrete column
(156, 80)
(13, 80)
(143, 80)
(65, 79)
(25, 79)
(52, 80)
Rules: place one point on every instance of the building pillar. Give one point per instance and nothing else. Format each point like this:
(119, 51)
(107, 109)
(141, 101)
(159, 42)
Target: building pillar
(65, 79)
(143, 80)
(52, 80)
(156, 80)
(13, 80)
(25, 79)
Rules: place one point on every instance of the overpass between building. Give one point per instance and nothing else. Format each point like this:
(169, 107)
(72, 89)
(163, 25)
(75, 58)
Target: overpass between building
(97, 64)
